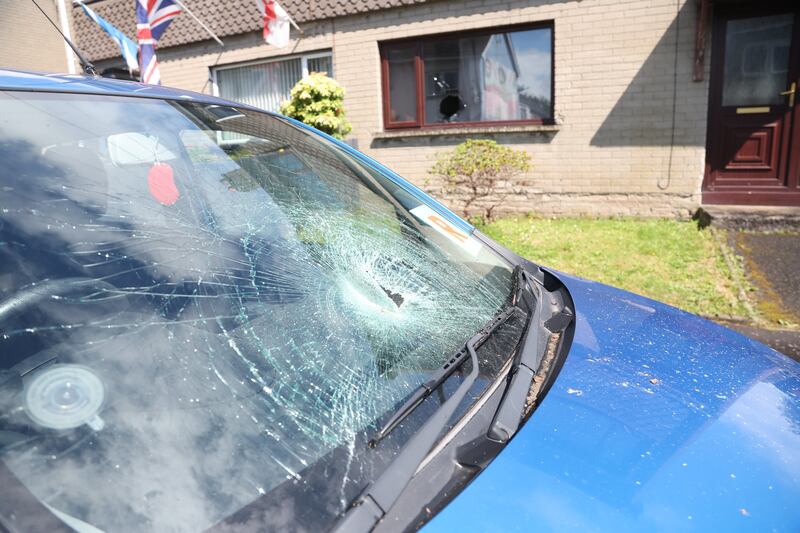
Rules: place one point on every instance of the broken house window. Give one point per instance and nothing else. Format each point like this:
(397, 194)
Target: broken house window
(199, 305)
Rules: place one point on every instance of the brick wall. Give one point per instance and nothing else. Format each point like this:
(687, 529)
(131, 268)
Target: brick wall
(27, 40)
(631, 122)
(614, 79)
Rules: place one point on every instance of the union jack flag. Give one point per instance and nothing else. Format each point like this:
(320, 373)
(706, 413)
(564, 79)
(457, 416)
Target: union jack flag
(152, 19)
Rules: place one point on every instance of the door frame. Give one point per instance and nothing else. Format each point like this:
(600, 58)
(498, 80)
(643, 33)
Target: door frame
(789, 151)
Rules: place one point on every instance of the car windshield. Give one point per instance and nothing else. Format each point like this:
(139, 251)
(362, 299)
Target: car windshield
(201, 306)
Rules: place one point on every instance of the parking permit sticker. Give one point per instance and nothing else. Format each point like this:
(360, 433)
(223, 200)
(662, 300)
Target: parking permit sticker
(464, 240)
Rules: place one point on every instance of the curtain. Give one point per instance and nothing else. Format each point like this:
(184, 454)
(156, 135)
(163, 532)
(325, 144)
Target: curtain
(320, 64)
(470, 76)
(266, 85)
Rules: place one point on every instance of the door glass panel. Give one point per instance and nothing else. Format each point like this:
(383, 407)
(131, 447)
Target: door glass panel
(757, 60)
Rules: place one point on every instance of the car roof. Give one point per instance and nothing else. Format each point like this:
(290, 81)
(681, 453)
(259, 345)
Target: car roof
(20, 80)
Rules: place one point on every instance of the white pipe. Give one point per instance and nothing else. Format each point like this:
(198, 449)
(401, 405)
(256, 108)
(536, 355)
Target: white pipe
(64, 20)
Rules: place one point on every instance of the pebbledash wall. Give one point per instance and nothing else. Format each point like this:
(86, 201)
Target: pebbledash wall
(630, 129)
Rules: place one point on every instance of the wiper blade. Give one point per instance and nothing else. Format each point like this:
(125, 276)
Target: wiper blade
(381, 494)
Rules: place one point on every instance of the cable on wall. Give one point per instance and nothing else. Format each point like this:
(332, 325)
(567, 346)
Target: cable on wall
(663, 185)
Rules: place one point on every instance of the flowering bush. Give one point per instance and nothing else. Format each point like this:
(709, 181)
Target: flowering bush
(317, 101)
(481, 172)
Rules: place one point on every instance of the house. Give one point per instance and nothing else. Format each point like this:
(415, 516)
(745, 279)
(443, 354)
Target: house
(29, 42)
(626, 106)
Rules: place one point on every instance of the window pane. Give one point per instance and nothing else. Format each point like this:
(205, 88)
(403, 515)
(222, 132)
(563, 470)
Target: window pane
(266, 85)
(402, 85)
(756, 60)
(504, 76)
(321, 64)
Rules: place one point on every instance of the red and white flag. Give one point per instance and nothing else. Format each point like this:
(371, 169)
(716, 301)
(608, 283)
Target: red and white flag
(276, 23)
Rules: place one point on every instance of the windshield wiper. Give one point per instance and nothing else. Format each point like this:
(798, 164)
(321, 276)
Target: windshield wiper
(548, 318)
(381, 494)
(417, 397)
(533, 369)
(521, 297)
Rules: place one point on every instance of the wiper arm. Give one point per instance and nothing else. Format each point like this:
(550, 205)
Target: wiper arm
(522, 297)
(381, 494)
(417, 397)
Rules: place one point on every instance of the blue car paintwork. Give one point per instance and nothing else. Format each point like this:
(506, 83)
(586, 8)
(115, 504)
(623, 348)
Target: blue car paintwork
(659, 420)
(78, 83)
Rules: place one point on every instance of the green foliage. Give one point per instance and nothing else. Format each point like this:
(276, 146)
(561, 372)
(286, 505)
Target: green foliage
(317, 100)
(668, 260)
(477, 169)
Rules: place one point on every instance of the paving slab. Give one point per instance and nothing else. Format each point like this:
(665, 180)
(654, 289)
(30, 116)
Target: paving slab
(753, 218)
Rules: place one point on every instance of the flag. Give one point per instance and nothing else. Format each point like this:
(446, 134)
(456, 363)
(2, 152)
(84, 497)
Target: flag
(276, 23)
(152, 19)
(126, 45)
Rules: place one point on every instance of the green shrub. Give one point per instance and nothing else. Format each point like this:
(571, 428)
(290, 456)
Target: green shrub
(476, 170)
(317, 100)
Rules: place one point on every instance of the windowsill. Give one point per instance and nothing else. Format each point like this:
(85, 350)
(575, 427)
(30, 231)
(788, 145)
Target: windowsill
(466, 130)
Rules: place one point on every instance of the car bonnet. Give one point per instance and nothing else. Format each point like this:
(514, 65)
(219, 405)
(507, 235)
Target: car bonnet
(659, 420)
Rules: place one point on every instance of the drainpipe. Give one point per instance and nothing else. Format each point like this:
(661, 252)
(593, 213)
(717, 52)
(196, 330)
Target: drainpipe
(64, 21)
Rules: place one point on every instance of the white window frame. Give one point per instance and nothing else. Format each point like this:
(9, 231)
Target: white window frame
(303, 65)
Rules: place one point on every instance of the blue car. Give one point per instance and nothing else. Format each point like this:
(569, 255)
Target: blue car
(214, 318)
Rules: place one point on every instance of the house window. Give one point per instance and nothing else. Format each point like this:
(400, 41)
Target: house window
(488, 76)
(267, 84)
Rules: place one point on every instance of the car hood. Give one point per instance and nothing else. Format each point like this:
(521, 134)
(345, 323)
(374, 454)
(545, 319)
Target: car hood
(659, 420)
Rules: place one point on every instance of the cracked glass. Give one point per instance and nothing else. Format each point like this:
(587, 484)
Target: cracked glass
(205, 311)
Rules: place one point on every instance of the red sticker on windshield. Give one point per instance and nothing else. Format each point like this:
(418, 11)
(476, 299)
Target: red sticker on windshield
(162, 184)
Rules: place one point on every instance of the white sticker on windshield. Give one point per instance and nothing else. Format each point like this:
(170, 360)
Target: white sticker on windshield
(464, 240)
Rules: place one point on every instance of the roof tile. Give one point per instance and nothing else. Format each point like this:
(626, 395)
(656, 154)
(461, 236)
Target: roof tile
(225, 18)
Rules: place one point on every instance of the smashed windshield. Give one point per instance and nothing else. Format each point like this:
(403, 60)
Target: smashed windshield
(198, 304)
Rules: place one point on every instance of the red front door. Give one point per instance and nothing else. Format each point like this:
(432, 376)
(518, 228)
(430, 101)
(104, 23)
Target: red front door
(753, 150)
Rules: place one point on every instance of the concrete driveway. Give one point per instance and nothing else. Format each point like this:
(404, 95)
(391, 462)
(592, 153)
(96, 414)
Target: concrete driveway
(772, 264)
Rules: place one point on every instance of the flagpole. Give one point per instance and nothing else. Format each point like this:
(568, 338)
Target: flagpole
(200, 22)
(293, 23)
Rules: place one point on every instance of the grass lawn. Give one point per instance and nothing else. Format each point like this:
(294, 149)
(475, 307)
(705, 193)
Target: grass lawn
(667, 260)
